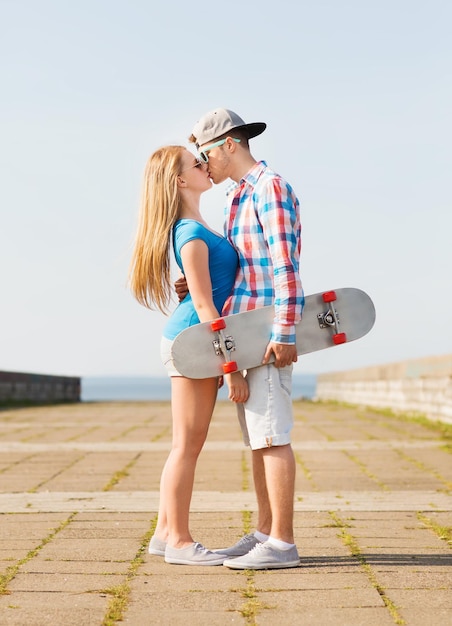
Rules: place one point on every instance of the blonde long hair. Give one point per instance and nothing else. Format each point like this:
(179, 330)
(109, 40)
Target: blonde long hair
(150, 271)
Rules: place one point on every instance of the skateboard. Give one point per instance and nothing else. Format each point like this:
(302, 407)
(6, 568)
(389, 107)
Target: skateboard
(238, 341)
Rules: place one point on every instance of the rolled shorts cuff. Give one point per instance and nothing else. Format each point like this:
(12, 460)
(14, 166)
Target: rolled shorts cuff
(270, 442)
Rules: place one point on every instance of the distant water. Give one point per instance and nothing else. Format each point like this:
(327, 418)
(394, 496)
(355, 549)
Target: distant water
(143, 388)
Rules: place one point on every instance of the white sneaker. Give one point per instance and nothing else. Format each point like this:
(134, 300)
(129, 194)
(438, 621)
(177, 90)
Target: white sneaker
(243, 546)
(157, 546)
(196, 554)
(265, 556)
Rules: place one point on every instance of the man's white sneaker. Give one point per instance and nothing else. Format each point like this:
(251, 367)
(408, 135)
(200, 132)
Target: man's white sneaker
(265, 556)
(196, 554)
(243, 546)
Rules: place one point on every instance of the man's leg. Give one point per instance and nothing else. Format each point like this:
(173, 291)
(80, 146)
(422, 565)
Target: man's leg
(269, 421)
(266, 421)
(264, 519)
(280, 467)
(279, 550)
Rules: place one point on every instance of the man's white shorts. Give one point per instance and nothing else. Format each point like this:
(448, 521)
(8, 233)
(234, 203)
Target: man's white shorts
(266, 418)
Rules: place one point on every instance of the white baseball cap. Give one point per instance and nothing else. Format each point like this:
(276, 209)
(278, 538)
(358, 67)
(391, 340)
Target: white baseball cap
(222, 121)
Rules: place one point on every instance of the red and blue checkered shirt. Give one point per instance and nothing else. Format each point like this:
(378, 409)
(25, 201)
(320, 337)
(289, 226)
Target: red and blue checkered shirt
(262, 222)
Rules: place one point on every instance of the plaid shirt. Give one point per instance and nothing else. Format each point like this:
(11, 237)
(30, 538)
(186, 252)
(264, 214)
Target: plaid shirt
(263, 224)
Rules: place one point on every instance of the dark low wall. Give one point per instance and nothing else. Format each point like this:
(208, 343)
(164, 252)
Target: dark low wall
(16, 387)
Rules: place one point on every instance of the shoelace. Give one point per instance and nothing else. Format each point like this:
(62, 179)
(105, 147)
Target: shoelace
(245, 540)
(257, 548)
(200, 548)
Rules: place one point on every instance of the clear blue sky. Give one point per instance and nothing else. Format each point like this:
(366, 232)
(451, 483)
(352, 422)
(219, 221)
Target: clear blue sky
(357, 97)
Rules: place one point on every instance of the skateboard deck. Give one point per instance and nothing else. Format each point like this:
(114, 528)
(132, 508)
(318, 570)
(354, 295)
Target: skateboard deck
(239, 341)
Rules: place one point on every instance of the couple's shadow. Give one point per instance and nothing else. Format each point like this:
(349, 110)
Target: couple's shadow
(380, 560)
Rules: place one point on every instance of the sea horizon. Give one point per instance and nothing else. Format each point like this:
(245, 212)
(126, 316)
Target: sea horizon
(158, 388)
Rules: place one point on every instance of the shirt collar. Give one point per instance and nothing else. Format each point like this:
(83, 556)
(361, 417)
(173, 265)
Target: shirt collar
(250, 178)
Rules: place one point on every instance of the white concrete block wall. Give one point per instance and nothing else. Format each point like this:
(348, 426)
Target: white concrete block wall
(395, 386)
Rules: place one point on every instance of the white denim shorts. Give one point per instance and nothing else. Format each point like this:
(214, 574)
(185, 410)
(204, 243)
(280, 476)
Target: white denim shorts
(165, 355)
(266, 418)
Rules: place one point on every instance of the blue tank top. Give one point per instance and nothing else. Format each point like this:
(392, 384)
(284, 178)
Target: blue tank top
(222, 267)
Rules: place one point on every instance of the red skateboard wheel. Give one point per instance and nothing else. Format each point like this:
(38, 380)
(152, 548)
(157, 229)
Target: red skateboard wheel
(329, 296)
(218, 324)
(339, 338)
(229, 367)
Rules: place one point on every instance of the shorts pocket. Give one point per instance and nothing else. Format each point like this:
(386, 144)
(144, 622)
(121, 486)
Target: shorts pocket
(285, 379)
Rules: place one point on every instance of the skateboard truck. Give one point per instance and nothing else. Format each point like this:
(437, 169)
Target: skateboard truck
(330, 319)
(223, 345)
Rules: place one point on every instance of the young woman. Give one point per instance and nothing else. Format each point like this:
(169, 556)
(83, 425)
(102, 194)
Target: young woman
(170, 216)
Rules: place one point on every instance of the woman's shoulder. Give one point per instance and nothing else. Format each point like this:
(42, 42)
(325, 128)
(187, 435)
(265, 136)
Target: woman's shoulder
(192, 229)
(186, 225)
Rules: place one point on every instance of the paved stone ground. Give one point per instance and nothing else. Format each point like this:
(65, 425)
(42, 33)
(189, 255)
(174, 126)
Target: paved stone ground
(78, 502)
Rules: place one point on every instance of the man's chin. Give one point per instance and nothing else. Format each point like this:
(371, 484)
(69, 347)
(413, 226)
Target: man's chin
(217, 179)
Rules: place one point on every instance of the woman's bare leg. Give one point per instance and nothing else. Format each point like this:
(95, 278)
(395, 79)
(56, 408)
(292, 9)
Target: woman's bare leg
(192, 404)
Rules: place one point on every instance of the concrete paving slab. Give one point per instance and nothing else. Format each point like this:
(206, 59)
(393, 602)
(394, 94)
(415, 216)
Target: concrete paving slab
(358, 616)
(309, 580)
(44, 608)
(213, 580)
(165, 446)
(300, 600)
(407, 579)
(182, 617)
(210, 602)
(91, 549)
(40, 565)
(423, 598)
(56, 582)
(223, 501)
(417, 616)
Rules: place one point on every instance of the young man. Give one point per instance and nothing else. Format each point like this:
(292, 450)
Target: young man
(262, 222)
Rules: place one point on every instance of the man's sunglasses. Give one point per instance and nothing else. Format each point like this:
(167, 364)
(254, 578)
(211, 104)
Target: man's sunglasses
(203, 154)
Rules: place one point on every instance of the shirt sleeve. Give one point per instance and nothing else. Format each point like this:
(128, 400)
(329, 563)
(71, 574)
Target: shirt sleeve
(184, 233)
(279, 216)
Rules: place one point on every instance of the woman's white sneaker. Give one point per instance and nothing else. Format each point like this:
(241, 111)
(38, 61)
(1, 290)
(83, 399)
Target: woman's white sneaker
(196, 554)
(157, 546)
